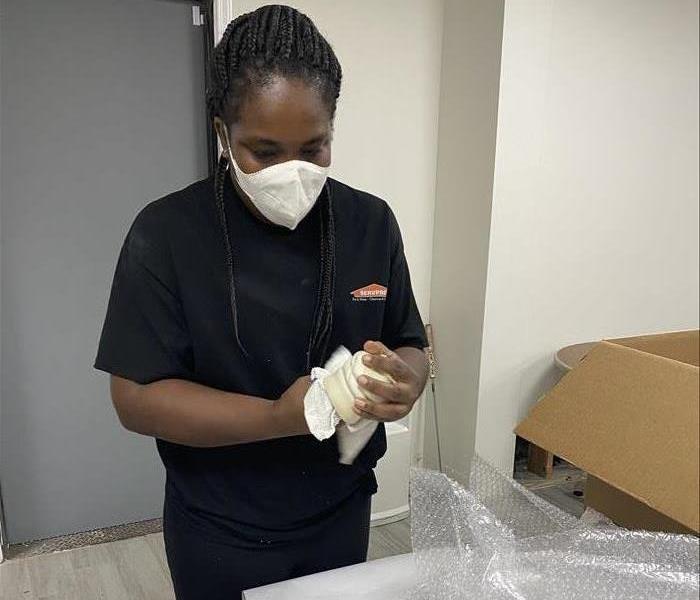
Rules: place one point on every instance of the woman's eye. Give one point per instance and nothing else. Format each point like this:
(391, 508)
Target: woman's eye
(310, 152)
(264, 154)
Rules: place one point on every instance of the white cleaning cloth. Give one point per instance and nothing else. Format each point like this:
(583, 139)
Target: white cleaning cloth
(321, 414)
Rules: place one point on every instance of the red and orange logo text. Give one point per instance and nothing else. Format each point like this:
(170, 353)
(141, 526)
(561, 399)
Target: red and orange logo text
(373, 291)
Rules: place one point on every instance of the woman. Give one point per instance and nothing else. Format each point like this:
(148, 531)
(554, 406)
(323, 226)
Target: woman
(227, 293)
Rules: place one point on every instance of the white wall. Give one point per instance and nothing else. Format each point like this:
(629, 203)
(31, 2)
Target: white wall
(386, 128)
(467, 141)
(595, 212)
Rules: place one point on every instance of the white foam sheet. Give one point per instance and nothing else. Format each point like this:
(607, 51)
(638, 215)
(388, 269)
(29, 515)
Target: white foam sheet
(392, 578)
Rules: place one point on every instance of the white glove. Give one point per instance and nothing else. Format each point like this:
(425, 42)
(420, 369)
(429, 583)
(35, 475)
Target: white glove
(331, 397)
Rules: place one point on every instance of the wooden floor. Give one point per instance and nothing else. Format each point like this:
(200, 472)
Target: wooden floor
(131, 569)
(564, 488)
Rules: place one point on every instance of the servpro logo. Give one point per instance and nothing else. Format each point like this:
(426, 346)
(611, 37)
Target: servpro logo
(373, 291)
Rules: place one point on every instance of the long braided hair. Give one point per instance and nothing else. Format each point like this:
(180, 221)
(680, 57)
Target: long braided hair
(276, 41)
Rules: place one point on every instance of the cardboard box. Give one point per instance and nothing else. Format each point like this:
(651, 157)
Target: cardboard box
(628, 416)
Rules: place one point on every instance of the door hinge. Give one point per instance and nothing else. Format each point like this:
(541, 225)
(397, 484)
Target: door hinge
(197, 16)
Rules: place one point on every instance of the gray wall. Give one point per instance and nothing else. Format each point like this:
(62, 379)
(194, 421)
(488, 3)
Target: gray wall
(102, 111)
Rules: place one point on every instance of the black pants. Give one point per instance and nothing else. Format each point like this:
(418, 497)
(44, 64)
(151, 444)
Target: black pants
(205, 569)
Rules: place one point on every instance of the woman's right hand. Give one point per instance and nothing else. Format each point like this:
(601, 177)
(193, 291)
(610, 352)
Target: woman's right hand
(289, 408)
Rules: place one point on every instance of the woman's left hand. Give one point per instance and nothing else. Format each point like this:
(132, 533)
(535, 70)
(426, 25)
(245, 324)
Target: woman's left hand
(398, 397)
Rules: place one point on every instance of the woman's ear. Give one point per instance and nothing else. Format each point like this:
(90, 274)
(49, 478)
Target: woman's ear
(220, 128)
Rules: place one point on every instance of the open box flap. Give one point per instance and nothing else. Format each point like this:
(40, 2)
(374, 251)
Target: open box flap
(630, 418)
(683, 346)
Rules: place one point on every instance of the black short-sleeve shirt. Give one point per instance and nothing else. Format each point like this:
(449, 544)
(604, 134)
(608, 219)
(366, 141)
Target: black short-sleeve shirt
(169, 316)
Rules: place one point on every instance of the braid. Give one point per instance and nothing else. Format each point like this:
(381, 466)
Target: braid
(219, 179)
(274, 40)
(277, 41)
(272, 31)
(323, 318)
(328, 286)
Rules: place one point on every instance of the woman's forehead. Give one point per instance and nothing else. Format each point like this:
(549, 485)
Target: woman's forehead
(285, 110)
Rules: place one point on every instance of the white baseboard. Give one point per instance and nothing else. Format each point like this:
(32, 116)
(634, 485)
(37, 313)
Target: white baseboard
(389, 516)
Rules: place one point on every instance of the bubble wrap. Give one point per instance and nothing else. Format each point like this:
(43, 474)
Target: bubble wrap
(496, 540)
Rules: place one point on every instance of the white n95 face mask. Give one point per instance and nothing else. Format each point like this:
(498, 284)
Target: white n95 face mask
(283, 193)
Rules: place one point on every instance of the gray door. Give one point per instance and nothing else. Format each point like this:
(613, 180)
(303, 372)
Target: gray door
(102, 111)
